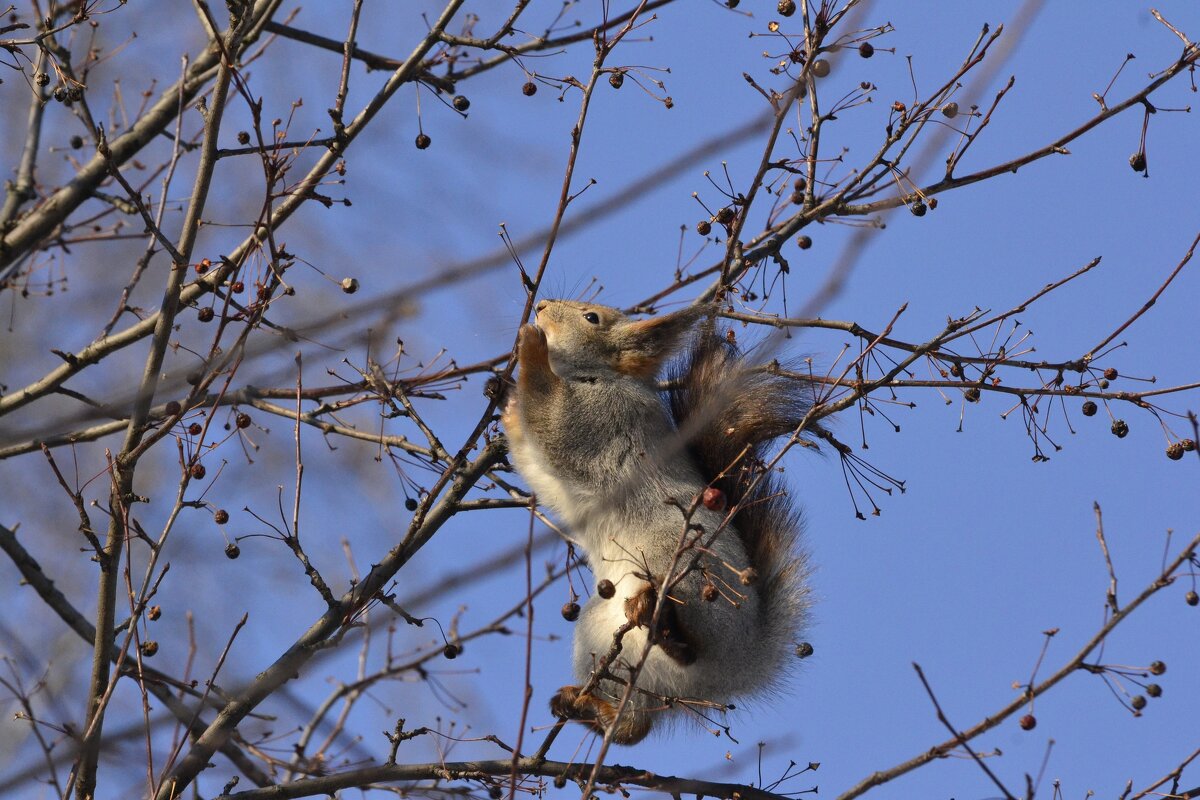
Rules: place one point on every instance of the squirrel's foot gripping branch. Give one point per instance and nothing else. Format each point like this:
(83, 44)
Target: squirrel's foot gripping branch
(571, 703)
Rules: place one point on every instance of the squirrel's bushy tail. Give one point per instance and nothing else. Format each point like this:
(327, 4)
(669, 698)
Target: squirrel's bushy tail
(729, 414)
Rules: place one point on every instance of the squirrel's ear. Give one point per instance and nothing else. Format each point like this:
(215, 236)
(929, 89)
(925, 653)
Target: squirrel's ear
(647, 343)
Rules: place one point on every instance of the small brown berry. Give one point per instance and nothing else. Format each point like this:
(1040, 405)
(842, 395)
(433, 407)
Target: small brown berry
(243, 420)
(713, 499)
(950, 110)
(704, 227)
(1138, 161)
(804, 650)
(243, 137)
(232, 551)
(1191, 598)
(1154, 690)
(918, 208)
(237, 287)
(198, 471)
(1188, 445)
(1110, 374)
(1088, 408)
(529, 89)
(423, 141)
(173, 408)
(971, 395)
(1120, 428)
(956, 370)
(1175, 451)
(1157, 668)
(153, 613)
(725, 215)
(41, 79)
(195, 428)
(1028, 722)
(709, 593)
(202, 267)
(804, 242)
(616, 80)
(205, 314)
(410, 503)
(820, 68)
(149, 648)
(349, 285)
(451, 651)
(570, 611)
(460, 103)
(786, 8)
(866, 49)
(605, 589)
(194, 378)
(76, 142)
(221, 516)
(1138, 702)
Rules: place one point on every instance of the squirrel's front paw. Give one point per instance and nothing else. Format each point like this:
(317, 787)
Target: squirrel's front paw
(600, 715)
(531, 343)
(669, 634)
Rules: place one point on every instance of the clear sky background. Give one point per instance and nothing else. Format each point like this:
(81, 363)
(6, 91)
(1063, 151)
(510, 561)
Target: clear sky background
(962, 573)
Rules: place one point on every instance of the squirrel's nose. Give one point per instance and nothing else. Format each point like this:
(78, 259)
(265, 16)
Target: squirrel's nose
(542, 304)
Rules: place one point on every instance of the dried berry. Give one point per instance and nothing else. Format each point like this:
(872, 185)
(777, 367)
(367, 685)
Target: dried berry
(76, 142)
(529, 89)
(1110, 374)
(41, 79)
(410, 503)
(243, 420)
(195, 428)
(606, 589)
(918, 208)
(804, 650)
(237, 287)
(820, 68)
(194, 378)
(786, 7)
(198, 471)
(704, 227)
(1138, 702)
(570, 611)
(243, 138)
(1188, 445)
(725, 215)
(423, 141)
(1154, 690)
(713, 499)
(804, 242)
(1138, 161)
(866, 49)
(172, 408)
(1157, 668)
(971, 395)
(709, 593)
(1088, 408)
(451, 651)
(232, 551)
(1175, 451)
(460, 103)
(950, 110)
(1028, 722)
(616, 80)
(153, 613)
(205, 314)
(956, 370)
(1191, 598)
(1120, 428)
(221, 516)
(149, 648)
(349, 285)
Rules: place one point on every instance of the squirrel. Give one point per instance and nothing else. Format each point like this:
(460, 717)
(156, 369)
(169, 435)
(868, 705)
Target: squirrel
(665, 491)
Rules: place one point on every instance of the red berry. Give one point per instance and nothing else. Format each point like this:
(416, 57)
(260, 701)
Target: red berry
(232, 551)
(714, 499)
(1028, 722)
(529, 89)
(243, 420)
(570, 611)
(606, 589)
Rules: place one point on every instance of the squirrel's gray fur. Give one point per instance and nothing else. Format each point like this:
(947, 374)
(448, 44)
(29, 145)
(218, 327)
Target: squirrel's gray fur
(598, 441)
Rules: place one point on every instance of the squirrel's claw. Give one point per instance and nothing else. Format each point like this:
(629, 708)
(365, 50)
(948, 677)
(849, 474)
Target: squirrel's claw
(669, 634)
(571, 703)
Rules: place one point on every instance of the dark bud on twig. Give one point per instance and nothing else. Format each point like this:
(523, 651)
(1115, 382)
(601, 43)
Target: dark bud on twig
(805, 242)
(606, 589)
(1120, 428)
(804, 650)
(787, 7)
(570, 611)
(866, 49)
(460, 103)
(1028, 722)
(232, 551)
(1088, 408)
(423, 141)
(529, 89)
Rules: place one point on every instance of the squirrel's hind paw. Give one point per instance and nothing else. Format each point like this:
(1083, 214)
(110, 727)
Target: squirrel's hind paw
(598, 714)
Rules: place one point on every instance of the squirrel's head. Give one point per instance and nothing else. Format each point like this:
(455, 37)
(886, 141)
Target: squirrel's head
(585, 339)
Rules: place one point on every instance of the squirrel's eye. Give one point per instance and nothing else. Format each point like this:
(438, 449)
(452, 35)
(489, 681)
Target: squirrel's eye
(592, 317)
